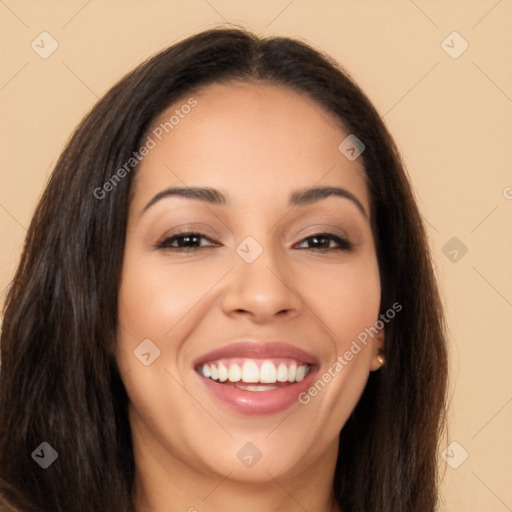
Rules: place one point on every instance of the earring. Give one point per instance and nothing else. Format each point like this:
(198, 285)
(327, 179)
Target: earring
(381, 359)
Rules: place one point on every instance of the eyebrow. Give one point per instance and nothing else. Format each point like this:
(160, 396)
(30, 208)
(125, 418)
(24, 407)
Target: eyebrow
(297, 198)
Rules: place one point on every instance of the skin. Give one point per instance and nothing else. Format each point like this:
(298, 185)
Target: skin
(255, 143)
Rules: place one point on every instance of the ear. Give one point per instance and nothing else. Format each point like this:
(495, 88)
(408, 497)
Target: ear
(377, 350)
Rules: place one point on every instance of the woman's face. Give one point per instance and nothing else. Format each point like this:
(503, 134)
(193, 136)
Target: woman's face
(268, 295)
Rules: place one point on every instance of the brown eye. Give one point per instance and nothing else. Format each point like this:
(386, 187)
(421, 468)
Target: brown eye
(184, 242)
(322, 242)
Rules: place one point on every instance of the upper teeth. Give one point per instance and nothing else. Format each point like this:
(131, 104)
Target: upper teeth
(266, 372)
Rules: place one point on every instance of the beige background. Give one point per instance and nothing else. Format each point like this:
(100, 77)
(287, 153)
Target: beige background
(450, 116)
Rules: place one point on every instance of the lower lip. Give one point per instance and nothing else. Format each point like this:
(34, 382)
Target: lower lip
(258, 402)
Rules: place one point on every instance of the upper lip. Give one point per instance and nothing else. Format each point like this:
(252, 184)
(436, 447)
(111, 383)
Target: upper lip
(258, 349)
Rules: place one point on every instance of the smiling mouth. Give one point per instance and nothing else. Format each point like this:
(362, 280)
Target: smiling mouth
(251, 374)
(255, 378)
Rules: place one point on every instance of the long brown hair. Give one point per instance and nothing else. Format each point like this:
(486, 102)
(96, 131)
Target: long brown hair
(59, 382)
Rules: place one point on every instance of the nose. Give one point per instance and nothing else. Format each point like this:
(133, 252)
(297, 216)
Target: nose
(263, 289)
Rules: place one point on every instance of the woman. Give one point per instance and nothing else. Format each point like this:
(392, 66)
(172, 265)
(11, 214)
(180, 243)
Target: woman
(225, 300)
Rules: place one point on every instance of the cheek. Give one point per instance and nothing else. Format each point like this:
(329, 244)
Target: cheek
(154, 297)
(345, 299)
(154, 301)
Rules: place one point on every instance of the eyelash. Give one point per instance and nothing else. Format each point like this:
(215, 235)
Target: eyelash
(343, 245)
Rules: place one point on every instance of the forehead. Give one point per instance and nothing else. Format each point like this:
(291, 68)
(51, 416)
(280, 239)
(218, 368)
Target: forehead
(249, 139)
